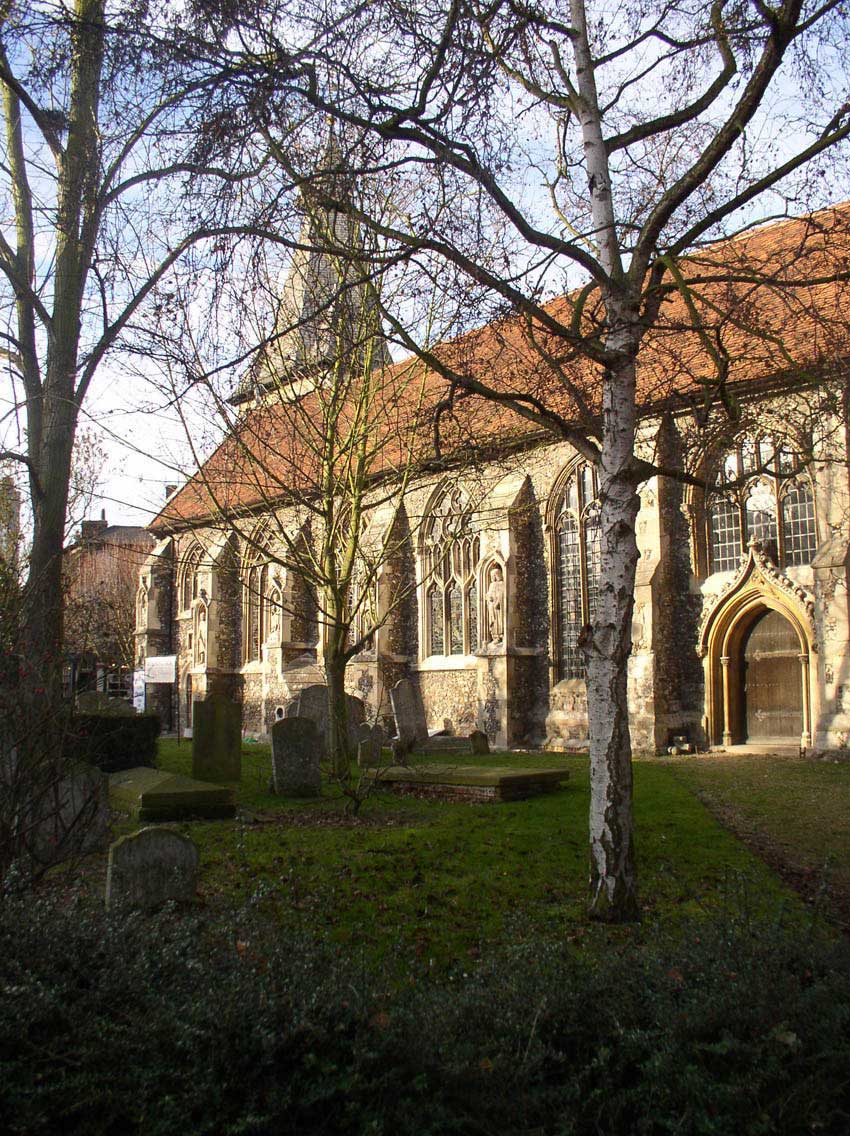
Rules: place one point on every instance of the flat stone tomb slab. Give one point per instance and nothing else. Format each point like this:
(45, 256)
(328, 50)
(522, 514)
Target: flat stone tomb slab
(458, 782)
(154, 795)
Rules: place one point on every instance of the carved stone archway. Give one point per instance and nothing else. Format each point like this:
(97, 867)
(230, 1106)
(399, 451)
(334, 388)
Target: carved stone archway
(757, 589)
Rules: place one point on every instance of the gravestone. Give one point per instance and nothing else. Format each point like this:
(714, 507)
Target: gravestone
(217, 739)
(312, 703)
(411, 726)
(156, 795)
(149, 868)
(371, 742)
(478, 742)
(297, 749)
(71, 815)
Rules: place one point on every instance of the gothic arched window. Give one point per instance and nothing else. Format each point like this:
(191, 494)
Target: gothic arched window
(577, 542)
(760, 491)
(451, 551)
(189, 577)
(255, 581)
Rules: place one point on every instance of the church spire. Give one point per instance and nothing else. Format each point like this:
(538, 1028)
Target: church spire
(328, 307)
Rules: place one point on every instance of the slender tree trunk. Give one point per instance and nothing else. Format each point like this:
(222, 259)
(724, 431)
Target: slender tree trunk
(613, 876)
(338, 747)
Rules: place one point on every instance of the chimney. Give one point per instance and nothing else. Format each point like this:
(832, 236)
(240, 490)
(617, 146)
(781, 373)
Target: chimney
(92, 530)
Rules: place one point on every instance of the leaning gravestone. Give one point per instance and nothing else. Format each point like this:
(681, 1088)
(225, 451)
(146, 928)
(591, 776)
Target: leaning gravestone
(370, 743)
(149, 868)
(478, 742)
(312, 703)
(297, 749)
(411, 726)
(217, 739)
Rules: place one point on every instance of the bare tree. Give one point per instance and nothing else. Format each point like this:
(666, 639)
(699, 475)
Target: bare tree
(325, 447)
(97, 152)
(582, 144)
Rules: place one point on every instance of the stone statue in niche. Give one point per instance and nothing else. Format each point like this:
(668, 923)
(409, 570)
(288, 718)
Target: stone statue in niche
(496, 605)
(202, 636)
(274, 616)
(142, 619)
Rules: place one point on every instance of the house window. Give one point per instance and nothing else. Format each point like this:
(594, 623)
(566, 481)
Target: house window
(760, 491)
(451, 551)
(577, 542)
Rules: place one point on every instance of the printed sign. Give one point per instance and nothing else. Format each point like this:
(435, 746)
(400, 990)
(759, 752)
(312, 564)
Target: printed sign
(139, 691)
(161, 668)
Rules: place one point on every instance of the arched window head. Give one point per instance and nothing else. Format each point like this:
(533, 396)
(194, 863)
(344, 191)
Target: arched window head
(450, 556)
(578, 563)
(760, 491)
(190, 584)
(255, 606)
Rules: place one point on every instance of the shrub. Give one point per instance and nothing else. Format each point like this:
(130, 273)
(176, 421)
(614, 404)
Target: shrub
(174, 1024)
(114, 741)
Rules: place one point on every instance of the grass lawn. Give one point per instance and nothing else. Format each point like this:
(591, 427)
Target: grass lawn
(794, 814)
(422, 884)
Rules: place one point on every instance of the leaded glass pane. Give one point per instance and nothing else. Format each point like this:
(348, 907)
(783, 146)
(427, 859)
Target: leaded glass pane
(472, 615)
(593, 562)
(454, 600)
(798, 525)
(569, 552)
(588, 485)
(435, 619)
(253, 614)
(760, 512)
(786, 460)
(724, 531)
(749, 456)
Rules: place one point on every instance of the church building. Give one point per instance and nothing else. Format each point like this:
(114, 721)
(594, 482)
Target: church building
(741, 621)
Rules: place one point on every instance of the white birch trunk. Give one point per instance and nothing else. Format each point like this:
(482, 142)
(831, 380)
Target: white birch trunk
(613, 878)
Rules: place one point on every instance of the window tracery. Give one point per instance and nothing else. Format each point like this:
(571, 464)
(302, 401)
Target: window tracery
(578, 562)
(263, 588)
(451, 553)
(190, 583)
(760, 491)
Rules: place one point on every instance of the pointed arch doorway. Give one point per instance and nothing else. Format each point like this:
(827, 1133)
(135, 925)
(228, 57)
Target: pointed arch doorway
(757, 643)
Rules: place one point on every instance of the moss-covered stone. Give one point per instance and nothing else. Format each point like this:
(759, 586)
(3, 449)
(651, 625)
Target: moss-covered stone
(153, 795)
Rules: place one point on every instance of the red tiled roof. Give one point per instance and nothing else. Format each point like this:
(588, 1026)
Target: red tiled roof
(767, 301)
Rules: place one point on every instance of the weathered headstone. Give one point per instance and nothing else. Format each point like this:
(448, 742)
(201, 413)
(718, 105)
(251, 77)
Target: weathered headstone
(312, 703)
(150, 867)
(297, 749)
(478, 742)
(369, 746)
(411, 726)
(217, 739)
(72, 814)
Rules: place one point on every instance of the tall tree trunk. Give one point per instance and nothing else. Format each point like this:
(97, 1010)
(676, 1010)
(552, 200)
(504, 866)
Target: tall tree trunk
(613, 876)
(53, 409)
